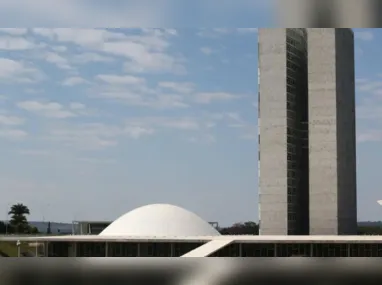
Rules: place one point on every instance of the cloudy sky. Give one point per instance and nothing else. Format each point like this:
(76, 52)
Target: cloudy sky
(96, 122)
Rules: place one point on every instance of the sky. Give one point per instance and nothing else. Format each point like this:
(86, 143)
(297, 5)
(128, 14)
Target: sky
(97, 122)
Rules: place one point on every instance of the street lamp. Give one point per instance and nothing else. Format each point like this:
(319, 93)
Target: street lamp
(44, 210)
(7, 218)
(379, 202)
(18, 243)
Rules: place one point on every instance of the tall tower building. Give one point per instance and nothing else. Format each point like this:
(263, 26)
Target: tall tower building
(306, 146)
(283, 153)
(332, 136)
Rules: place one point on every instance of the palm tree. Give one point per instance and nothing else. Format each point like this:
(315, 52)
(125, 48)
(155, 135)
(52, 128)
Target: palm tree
(18, 219)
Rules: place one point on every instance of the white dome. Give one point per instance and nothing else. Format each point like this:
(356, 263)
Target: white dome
(159, 220)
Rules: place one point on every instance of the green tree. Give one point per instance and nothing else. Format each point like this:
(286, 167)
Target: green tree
(18, 221)
(3, 227)
(247, 228)
(32, 230)
(369, 230)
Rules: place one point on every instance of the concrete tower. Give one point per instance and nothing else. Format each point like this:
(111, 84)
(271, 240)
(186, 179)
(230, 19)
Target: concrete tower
(332, 136)
(307, 172)
(283, 155)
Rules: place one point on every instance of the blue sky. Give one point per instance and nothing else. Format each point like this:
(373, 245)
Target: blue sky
(96, 122)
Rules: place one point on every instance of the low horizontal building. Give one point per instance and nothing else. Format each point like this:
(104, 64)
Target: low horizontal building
(89, 227)
(169, 231)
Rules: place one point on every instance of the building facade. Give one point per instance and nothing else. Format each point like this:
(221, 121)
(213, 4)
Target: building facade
(307, 170)
(230, 246)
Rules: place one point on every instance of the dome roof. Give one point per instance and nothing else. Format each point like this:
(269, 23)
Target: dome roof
(159, 220)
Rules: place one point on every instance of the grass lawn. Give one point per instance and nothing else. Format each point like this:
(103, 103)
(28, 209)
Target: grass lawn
(10, 248)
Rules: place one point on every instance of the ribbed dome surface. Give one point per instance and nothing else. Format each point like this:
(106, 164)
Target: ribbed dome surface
(161, 220)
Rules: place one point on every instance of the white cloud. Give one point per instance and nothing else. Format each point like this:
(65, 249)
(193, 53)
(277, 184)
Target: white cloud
(206, 50)
(214, 32)
(361, 80)
(15, 43)
(369, 136)
(58, 60)
(16, 71)
(93, 160)
(162, 123)
(247, 30)
(372, 89)
(202, 139)
(251, 135)
(180, 124)
(137, 132)
(133, 91)
(145, 52)
(85, 136)
(73, 81)
(33, 152)
(365, 35)
(49, 109)
(166, 101)
(77, 106)
(249, 130)
(117, 79)
(370, 108)
(91, 38)
(235, 116)
(59, 48)
(172, 32)
(14, 31)
(91, 57)
(370, 86)
(168, 94)
(44, 32)
(13, 134)
(6, 120)
(95, 136)
(181, 87)
(218, 32)
(98, 136)
(358, 51)
(158, 101)
(33, 91)
(208, 97)
(197, 124)
(69, 13)
(145, 61)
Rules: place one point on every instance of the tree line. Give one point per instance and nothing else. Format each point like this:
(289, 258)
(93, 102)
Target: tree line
(252, 228)
(18, 224)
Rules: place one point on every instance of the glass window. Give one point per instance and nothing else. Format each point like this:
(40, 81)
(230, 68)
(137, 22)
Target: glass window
(258, 250)
(231, 250)
(329, 250)
(181, 248)
(58, 249)
(91, 249)
(125, 249)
